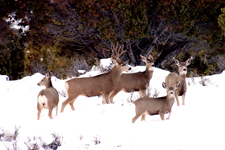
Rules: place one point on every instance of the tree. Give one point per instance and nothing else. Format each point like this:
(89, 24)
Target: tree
(13, 41)
(71, 28)
(11, 55)
(92, 25)
(221, 20)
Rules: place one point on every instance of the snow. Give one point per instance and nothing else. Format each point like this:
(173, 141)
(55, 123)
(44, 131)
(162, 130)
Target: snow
(198, 125)
(4, 78)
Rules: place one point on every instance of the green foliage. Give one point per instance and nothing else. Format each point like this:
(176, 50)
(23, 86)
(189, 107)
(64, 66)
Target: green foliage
(115, 19)
(42, 59)
(203, 68)
(12, 56)
(221, 20)
(194, 18)
(96, 24)
(136, 21)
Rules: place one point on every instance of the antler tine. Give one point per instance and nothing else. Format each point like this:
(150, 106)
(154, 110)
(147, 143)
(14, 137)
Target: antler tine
(118, 50)
(113, 48)
(121, 51)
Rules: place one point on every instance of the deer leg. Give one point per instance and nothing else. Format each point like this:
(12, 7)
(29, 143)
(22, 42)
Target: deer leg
(169, 115)
(183, 98)
(139, 112)
(143, 117)
(71, 105)
(50, 113)
(176, 95)
(103, 99)
(106, 98)
(56, 109)
(135, 118)
(67, 101)
(39, 111)
(112, 94)
(142, 93)
(162, 115)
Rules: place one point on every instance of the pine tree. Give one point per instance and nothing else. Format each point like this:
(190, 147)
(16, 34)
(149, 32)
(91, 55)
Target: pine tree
(221, 20)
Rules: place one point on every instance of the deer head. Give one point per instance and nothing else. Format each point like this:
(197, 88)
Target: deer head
(46, 81)
(117, 52)
(148, 61)
(183, 65)
(170, 90)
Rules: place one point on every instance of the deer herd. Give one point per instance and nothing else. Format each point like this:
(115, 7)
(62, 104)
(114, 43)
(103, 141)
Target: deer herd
(109, 84)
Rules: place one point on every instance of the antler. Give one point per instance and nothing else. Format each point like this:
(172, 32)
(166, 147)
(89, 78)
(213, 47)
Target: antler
(117, 51)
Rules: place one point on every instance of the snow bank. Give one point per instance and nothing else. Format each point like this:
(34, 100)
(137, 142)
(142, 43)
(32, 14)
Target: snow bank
(197, 125)
(4, 78)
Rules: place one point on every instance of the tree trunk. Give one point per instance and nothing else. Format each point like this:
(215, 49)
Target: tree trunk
(131, 54)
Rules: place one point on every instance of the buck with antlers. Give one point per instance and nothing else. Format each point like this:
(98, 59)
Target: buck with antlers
(47, 98)
(98, 85)
(173, 78)
(135, 81)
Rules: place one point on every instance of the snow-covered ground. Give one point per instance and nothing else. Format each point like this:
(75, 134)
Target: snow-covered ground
(199, 125)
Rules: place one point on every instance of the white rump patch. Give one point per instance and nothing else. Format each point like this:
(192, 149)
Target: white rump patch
(66, 86)
(43, 101)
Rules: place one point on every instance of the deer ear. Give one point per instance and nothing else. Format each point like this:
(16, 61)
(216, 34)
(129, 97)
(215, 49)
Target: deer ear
(142, 58)
(51, 73)
(150, 57)
(114, 61)
(47, 75)
(177, 84)
(188, 62)
(176, 61)
(164, 85)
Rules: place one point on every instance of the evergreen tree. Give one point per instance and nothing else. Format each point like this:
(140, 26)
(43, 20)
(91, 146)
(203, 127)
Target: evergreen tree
(221, 20)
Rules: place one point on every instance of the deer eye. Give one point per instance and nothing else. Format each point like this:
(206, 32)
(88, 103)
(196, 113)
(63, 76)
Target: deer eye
(123, 64)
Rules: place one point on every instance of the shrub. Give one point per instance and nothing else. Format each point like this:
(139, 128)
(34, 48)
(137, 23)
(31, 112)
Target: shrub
(57, 141)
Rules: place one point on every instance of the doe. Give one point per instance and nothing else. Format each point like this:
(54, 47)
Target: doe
(47, 98)
(156, 106)
(173, 78)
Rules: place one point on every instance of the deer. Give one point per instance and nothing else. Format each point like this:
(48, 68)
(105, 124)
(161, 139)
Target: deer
(156, 106)
(47, 98)
(135, 81)
(173, 78)
(98, 85)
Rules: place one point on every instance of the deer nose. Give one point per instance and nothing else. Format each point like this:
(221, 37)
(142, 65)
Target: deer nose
(38, 84)
(171, 92)
(153, 65)
(184, 69)
(129, 68)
